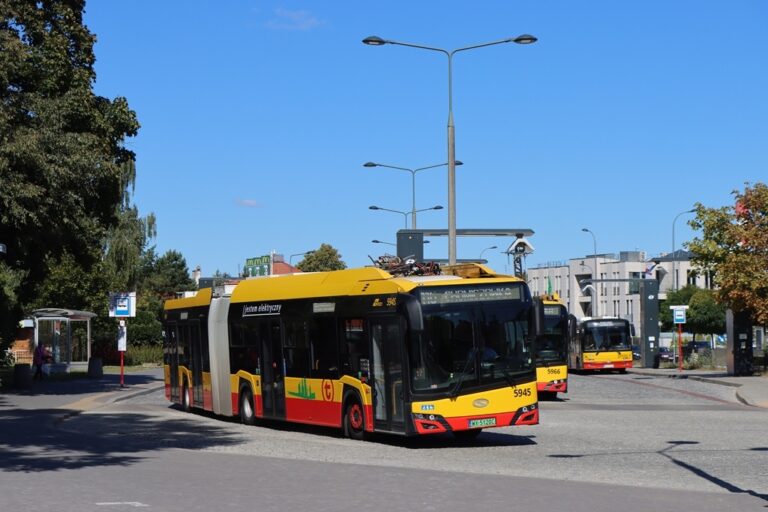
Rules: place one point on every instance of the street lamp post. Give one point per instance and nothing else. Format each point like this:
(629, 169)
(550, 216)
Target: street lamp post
(413, 182)
(382, 242)
(595, 300)
(521, 39)
(405, 214)
(486, 249)
(290, 258)
(675, 281)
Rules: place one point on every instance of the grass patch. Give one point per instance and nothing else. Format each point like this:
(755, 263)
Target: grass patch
(110, 369)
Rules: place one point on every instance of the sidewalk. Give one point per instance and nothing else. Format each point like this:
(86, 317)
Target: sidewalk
(80, 394)
(749, 390)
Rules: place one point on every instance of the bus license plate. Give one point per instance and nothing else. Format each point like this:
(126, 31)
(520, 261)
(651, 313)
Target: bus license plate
(608, 365)
(482, 422)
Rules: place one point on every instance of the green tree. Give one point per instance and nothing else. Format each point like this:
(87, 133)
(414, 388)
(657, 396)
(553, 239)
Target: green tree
(681, 297)
(322, 259)
(127, 240)
(734, 247)
(166, 275)
(705, 315)
(61, 151)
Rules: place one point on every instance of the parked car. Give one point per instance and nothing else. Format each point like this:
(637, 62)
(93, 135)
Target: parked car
(663, 355)
(636, 354)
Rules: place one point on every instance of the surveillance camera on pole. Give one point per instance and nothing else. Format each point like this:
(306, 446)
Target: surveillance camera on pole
(521, 247)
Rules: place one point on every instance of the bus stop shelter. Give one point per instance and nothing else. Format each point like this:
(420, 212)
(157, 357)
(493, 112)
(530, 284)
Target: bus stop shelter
(68, 344)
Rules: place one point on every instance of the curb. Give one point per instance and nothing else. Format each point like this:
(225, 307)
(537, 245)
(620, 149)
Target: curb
(111, 397)
(132, 394)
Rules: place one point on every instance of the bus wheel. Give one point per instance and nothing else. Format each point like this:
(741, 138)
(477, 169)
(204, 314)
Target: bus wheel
(186, 406)
(247, 414)
(354, 419)
(467, 435)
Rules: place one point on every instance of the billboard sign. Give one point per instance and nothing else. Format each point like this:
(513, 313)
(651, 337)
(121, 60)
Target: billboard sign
(259, 266)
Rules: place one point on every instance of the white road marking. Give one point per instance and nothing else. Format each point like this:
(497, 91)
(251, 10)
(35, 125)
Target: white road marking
(122, 503)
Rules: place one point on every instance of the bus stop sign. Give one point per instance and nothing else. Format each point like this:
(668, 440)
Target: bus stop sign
(679, 315)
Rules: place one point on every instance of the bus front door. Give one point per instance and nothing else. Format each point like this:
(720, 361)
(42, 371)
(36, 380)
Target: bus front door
(272, 370)
(172, 360)
(387, 375)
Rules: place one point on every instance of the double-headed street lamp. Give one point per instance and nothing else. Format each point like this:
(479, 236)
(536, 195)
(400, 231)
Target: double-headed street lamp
(413, 182)
(486, 249)
(595, 276)
(290, 258)
(675, 280)
(377, 41)
(390, 243)
(405, 214)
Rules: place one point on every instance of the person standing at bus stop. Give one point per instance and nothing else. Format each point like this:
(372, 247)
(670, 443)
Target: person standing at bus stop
(38, 359)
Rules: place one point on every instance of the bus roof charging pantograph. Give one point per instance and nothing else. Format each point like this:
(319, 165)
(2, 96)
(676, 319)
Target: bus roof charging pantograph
(359, 349)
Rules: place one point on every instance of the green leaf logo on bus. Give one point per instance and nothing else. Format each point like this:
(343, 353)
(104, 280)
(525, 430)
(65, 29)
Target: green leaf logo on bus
(304, 391)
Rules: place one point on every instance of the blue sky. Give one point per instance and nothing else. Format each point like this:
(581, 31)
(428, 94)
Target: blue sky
(258, 115)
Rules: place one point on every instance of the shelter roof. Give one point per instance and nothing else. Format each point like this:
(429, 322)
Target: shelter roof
(71, 314)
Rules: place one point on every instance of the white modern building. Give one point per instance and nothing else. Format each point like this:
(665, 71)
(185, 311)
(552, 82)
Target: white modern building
(570, 279)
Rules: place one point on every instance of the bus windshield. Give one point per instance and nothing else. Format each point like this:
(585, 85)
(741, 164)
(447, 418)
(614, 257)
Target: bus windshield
(552, 344)
(606, 335)
(473, 337)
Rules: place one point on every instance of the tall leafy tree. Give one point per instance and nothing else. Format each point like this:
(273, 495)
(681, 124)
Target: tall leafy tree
(158, 279)
(129, 237)
(61, 149)
(734, 245)
(165, 275)
(322, 259)
(681, 297)
(705, 314)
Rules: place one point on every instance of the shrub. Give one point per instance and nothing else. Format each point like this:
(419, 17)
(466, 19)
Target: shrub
(703, 359)
(143, 354)
(139, 353)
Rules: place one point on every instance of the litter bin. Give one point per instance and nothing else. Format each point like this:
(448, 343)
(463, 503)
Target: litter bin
(95, 370)
(22, 375)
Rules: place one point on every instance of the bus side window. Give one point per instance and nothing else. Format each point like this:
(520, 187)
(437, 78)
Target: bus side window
(323, 346)
(354, 348)
(296, 348)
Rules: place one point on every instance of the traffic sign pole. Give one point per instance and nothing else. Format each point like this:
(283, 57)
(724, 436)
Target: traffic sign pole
(678, 316)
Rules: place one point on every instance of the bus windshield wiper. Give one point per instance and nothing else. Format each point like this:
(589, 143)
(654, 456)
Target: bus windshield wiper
(457, 387)
(508, 377)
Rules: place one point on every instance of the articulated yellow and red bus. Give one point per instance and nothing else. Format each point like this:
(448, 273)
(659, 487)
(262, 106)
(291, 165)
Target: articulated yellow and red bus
(601, 343)
(359, 349)
(552, 348)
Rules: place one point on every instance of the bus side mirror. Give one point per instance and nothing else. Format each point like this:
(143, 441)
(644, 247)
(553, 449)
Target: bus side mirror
(538, 318)
(632, 330)
(412, 310)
